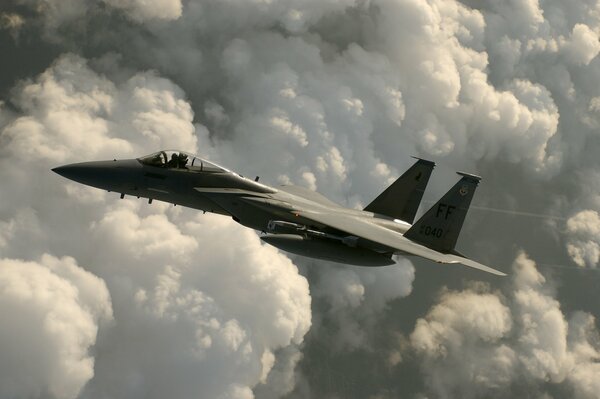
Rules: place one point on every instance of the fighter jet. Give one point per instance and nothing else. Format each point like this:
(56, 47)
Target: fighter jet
(296, 219)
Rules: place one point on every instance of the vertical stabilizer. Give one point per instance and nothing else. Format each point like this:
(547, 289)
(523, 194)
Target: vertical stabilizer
(401, 200)
(440, 226)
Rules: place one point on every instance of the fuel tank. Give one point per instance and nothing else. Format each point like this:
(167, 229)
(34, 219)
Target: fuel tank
(331, 250)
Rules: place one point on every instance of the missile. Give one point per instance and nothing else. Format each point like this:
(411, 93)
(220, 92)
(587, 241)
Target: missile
(283, 227)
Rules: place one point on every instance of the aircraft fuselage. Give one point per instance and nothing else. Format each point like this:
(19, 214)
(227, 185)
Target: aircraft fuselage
(248, 202)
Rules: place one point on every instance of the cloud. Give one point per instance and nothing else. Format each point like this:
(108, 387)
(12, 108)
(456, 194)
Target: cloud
(54, 13)
(295, 16)
(51, 312)
(479, 342)
(583, 246)
(71, 112)
(514, 123)
(459, 342)
(334, 96)
(584, 339)
(218, 312)
(67, 100)
(12, 22)
(140, 10)
(220, 315)
(281, 380)
(356, 297)
(583, 46)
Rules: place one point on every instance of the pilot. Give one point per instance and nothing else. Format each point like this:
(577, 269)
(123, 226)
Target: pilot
(183, 160)
(173, 161)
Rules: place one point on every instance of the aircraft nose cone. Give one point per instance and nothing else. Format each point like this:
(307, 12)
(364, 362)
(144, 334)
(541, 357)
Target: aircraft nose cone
(109, 175)
(63, 170)
(77, 172)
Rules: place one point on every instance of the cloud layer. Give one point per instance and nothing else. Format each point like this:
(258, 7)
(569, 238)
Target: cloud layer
(184, 297)
(51, 312)
(333, 96)
(477, 343)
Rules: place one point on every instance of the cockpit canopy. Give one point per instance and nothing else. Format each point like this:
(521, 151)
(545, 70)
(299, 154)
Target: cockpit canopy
(173, 159)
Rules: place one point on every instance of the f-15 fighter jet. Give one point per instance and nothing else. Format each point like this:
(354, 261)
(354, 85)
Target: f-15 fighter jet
(296, 219)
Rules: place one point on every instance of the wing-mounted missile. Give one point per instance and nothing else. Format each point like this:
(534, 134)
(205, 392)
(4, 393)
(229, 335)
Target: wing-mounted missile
(300, 240)
(283, 227)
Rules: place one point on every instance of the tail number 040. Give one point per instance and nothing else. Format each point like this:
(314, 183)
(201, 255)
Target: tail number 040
(431, 231)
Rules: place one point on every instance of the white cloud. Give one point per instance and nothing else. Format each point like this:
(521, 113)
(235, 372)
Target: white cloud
(357, 296)
(333, 95)
(460, 344)
(152, 236)
(51, 311)
(281, 379)
(476, 342)
(214, 313)
(542, 337)
(583, 46)
(72, 113)
(217, 310)
(583, 245)
(144, 10)
(583, 339)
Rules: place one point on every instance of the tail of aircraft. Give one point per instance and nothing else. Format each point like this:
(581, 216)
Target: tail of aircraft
(440, 226)
(401, 200)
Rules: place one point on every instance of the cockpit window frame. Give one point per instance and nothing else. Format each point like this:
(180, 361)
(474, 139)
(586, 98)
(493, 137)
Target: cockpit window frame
(180, 160)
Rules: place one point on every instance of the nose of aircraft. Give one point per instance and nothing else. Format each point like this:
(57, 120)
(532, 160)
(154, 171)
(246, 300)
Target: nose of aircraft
(68, 171)
(109, 175)
(82, 172)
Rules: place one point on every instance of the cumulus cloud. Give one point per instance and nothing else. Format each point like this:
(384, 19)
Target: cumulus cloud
(479, 342)
(219, 316)
(584, 341)
(142, 10)
(584, 231)
(583, 45)
(334, 96)
(55, 13)
(356, 297)
(472, 320)
(71, 112)
(51, 311)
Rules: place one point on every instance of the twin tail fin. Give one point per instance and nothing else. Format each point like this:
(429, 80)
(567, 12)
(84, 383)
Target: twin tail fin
(401, 200)
(440, 226)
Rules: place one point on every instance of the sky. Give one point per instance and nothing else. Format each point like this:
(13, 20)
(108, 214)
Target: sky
(108, 298)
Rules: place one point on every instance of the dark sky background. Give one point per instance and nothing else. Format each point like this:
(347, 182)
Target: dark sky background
(109, 298)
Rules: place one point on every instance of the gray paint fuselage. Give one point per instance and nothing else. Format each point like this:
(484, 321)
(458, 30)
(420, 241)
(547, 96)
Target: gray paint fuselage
(248, 202)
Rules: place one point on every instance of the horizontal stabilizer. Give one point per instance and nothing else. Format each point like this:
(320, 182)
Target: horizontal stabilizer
(473, 264)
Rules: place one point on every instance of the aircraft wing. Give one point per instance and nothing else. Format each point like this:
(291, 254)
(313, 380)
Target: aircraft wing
(388, 238)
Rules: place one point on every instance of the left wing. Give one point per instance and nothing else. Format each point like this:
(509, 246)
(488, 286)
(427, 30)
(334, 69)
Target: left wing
(369, 231)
